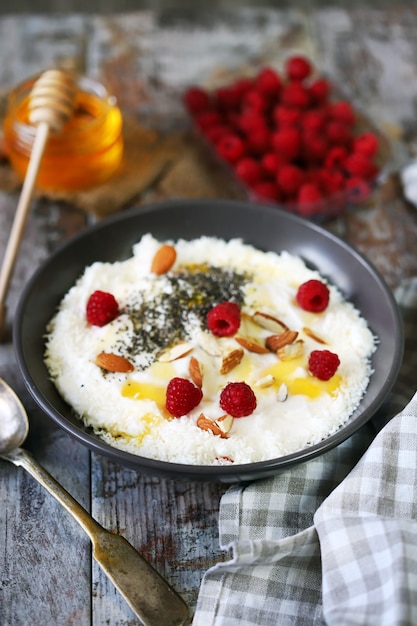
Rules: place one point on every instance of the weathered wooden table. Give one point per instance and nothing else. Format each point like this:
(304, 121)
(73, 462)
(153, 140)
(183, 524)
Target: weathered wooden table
(47, 576)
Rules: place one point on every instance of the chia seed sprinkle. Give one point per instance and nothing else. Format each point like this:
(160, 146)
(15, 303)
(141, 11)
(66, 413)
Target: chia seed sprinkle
(179, 304)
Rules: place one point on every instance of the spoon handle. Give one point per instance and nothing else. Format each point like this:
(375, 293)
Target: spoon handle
(149, 595)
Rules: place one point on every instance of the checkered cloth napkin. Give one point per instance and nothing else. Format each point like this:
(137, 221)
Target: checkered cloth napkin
(334, 540)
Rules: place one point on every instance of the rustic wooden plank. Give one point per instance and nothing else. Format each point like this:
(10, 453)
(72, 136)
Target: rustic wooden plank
(34, 530)
(42, 546)
(38, 538)
(147, 59)
(34, 43)
(173, 524)
(372, 53)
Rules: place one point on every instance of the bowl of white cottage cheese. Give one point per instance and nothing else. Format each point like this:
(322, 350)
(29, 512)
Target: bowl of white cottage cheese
(212, 340)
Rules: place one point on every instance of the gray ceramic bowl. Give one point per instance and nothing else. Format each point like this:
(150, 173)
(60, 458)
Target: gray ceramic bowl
(264, 227)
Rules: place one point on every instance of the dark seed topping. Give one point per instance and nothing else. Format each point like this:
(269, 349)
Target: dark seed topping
(183, 301)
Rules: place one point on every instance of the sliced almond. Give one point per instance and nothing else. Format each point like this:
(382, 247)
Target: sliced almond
(205, 423)
(164, 259)
(208, 343)
(231, 360)
(248, 326)
(291, 351)
(250, 344)
(282, 394)
(225, 423)
(113, 362)
(269, 322)
(265, 381)
(195, 372)
(175, 352)
(275, 342)
(310, 333)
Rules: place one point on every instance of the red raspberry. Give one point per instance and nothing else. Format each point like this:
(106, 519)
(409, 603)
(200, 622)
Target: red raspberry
(255, 102)
(215, 133)
(313, 120)
(242, 86)
(238, 399)
(358, 164)
(102, 308)
(367, 144)
(268, 82)
(259, 141)
(248, 170)
(332, 180)
(357, 189)
(231, 148)
(271, 162)
(267, 190)
(309, 193)
(208, 118)
(182, 396)
(313, 295)
(196, 100)
(339, 133)
(286, 116)
(295, 95)
(323, 364)
(343, 112)
(250, 121)
(224, 319)
(319, 91)
(298, 68)
(227, 98)
(315, 146)
(287, 142)
(336, 157)
(312, 175)
(290, 178)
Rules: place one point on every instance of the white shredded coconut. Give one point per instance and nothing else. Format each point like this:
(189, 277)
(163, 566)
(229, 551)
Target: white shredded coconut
(128, 410)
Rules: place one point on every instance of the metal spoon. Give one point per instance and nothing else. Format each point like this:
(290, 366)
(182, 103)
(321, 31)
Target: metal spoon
(151, 598)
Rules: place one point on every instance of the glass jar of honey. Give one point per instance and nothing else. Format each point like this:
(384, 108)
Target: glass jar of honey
(85, 153)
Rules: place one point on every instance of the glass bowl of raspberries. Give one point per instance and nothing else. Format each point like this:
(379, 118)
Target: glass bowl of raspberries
(289, 138)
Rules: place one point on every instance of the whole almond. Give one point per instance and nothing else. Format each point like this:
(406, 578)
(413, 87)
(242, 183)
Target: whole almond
(275, 342)
(164, 259)
(113, 362)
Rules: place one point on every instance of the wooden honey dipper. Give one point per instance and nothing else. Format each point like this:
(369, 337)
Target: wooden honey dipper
(51, 104)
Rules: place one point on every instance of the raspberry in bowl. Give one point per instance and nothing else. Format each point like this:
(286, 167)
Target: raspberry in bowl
(290, 138)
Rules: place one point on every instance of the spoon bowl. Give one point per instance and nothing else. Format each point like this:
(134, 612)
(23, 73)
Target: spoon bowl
(124, 566)
(14, 423)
